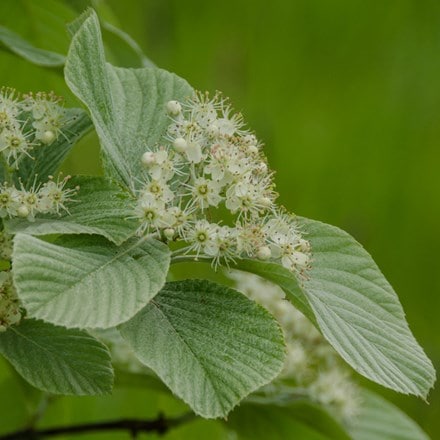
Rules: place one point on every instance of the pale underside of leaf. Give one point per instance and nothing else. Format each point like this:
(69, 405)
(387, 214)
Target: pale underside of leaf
(86, 282)
(127, 105)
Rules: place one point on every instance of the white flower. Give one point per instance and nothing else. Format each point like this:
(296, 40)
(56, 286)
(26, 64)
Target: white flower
(5, 245)
(13, 143)
(9, 201)
(163, 166)
(211, 168)
(202, 237)
(205, 192)
(9, 109)
(53, 195)
(151, 213)
(10, 313)
(159, 190)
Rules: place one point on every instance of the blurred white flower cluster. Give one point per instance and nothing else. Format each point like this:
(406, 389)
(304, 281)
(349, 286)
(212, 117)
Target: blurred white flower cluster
(27, 122)
(210, 186)
(312, 366)
(10, 312)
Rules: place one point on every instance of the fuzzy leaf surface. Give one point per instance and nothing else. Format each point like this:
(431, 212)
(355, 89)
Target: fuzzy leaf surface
(58, 360)
(355, 308)
(127, 105)
(85, 281)
(208, 343)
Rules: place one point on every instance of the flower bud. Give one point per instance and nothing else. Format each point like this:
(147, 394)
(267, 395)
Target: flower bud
(23, 211)
(47, 137)
(169, 233)
(173, 107)
(148, 159)
(264, 253)
(180, 145)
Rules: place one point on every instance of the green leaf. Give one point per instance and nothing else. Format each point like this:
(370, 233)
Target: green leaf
(100, 207)
(380, 420)
(85, 281)
(208, 343)
(127, 105)
(295, 420)
(356, 309)
(284, 278)
(360, 314)
(46, 160)
(23, 48)
(58, 360)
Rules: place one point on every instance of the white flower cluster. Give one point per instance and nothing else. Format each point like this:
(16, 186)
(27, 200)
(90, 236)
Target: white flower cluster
(311, 363)
(122, 354)
(10, 312)
(49, 198)
(5, 246)
(28, 122)
(211, 168)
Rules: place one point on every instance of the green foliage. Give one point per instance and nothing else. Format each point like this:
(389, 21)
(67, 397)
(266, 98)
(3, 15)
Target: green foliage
(82, 282)
(356, 310)
(294, 420)
(101, 207)
(33, 54)
(208, 343)
(381, 420)
(58, 360)
(126, 105)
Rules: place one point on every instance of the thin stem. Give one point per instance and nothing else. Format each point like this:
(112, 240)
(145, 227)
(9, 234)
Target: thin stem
(191, 258)
(160, 425)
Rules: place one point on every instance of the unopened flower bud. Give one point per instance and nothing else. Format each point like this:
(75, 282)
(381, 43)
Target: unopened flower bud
(47, 137)
(180, 145)
(264, 253)
(148, 159)
(169, 233)
(173, 107)
(23, 211)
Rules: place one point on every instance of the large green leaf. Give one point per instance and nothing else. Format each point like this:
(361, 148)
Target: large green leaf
(85, 281)
(100, 207)
(127, 105)
(295, 420)
(56, 359)
(208, 343)
(23, 48)
(381, 420)
(356, 310)
(360, 314)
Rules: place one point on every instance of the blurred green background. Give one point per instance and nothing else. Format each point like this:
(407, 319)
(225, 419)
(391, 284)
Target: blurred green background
(345, 95)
